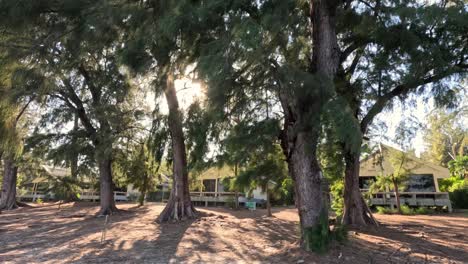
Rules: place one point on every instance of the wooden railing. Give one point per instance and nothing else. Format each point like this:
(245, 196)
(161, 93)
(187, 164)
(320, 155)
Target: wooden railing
(215, 197)
(84, 195)
(438, 199)
(213, 194)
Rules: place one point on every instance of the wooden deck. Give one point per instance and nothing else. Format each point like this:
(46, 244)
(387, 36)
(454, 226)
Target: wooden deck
(85, 196)
(420, 199)
(215, 197)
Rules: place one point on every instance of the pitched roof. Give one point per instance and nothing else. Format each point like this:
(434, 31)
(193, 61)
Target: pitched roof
(440, 172)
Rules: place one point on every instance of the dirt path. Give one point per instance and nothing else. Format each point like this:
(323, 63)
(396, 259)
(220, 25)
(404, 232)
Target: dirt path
(73, 235)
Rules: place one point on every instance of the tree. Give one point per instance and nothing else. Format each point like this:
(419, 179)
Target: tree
(376, 67)
(179, 205)
(264, 48)
(445, 136)
(78, 50)
(401, 170)
(142, 170)
(459, 167)
(266, 170)
(18, 91)
(164, 47)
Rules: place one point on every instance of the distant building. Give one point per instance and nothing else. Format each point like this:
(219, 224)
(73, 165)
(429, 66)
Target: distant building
(422, 187)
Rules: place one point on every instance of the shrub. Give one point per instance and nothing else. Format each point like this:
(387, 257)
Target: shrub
(39, 201)
(385, 210)
(337, 203)
(423, 210)
(406, 210)
(459, 198)
(230, 202)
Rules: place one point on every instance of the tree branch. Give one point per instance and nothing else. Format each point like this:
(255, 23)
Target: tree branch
(382, 101)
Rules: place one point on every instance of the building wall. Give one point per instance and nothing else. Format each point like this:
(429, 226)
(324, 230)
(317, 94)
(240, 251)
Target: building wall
(370, 167)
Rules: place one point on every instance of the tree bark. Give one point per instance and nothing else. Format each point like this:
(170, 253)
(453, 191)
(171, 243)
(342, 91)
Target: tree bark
(74, 155)
(300, 134)
(397, 195)
(144, 188)
(8, 194)
(106, 193)
(179, 206)
(268, 204)
(356, 212)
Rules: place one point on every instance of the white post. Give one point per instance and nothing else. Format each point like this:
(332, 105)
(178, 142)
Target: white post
(436, 183)
(216, 187)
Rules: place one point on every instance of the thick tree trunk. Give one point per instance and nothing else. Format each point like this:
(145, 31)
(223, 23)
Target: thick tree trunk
(8, 194)
(356, 212)
(179, 207)
(300, 135)
(305, 170)
(106, 195)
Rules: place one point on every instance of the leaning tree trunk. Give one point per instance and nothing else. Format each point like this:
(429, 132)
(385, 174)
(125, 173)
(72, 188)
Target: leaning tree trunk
(8, 194)
(179, 205)
(356, 212)
(106, 193)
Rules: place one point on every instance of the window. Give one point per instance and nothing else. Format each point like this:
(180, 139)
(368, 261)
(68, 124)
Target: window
(420, 183)
(366, 181)
(209, 185)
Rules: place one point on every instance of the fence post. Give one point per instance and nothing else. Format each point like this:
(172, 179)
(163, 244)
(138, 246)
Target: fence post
(103, 236)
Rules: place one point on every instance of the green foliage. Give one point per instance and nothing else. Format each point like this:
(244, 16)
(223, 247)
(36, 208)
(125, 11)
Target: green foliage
(65, 188)
(385, 210)
(452, 184)
(457, 183)
(287, 192)
(446, 137)
(319, 237)
(199, 126)
(337, 191)
(405, 210)
(459, 198)
(459, 167)
(423, 211)
(265, 170)
(140, 168)
(401, 166)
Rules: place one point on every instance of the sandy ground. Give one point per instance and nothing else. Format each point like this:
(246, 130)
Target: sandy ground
(44, 234)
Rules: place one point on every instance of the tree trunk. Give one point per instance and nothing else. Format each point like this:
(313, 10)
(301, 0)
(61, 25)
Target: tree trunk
(74, 155)
(8, 194)
(236, 191)
(107, 191)
(179, 205)
(300, 135)
(356, 212)
(141, 199)
(313, 213)
(397, 196)
(268, 204)
(144, 188)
